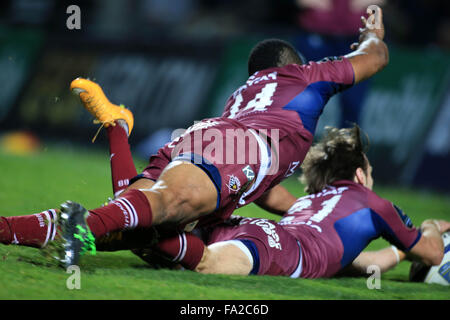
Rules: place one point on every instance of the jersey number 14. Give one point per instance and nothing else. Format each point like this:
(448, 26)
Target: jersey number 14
(262, 100)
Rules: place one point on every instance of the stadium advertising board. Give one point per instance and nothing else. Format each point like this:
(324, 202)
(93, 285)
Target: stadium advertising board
(18, 49)
(163, 86)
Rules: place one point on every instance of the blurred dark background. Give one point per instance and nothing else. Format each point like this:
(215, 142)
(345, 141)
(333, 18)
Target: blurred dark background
(174, 62)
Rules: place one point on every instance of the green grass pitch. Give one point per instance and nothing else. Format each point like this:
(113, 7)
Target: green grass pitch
(30, 184)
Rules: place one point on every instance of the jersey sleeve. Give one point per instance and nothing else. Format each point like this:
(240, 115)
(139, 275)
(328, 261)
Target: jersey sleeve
(395, 226)
(320, 81)
(337, 71)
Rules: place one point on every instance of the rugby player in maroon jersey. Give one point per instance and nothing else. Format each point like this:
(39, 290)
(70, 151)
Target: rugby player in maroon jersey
(275, 111)
(324, 233)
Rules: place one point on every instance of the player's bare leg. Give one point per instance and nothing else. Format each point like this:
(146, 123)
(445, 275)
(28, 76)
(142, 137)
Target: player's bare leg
(183, 193)
(226, 257)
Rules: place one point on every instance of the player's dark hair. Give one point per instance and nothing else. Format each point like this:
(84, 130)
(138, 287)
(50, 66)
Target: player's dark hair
(335, 157)
(272, 53)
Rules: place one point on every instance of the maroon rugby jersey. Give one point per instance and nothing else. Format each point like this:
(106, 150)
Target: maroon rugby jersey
(290, 100)
(283, 104)
(335, 225)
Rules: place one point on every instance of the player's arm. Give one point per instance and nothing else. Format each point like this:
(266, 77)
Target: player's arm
(386, 259)
(371, 54)
(430, 248)
(276, 200)
(423, 244)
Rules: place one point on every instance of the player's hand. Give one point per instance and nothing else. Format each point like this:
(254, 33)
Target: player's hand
(441, 225)
(444, 226)
(373, 25)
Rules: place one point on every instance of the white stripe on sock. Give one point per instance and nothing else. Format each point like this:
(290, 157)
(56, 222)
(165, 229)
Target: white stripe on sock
(55, 228)
(136, 219)
(127, 211)
(182, 249)
(49, 226)
(183, 253)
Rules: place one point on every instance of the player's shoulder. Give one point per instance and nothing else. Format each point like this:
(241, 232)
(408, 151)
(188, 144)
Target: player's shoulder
(378, 203)
(290, 70)
(367, 197)
(331, 69)
(303, 72)
(326, 62)
(336, 69)
(386, 207)
(306, 67)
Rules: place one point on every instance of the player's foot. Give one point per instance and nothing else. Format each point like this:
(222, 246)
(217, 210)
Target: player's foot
(77, 239)
(95, 101)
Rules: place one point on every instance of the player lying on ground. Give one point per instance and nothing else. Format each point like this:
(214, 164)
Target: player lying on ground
(325, 232)
(328, 245)
(276, 110)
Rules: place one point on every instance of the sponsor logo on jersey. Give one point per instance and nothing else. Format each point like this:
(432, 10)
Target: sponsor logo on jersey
(233, 183)
(249, 173)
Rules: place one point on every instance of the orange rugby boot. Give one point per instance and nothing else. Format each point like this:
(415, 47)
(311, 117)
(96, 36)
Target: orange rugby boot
(95, 101)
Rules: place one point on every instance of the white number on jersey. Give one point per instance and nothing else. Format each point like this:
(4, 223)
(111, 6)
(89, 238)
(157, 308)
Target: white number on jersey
(327, 208)
(262, 100)
(299, 206)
